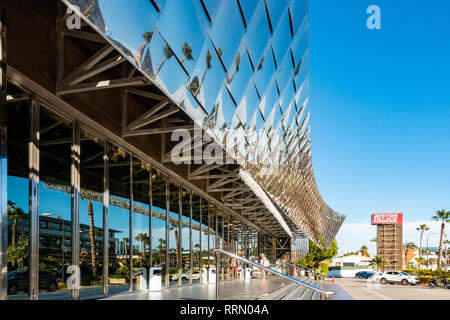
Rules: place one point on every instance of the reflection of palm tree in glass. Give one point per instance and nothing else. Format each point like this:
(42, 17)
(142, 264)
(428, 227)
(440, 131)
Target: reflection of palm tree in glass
(187, 52)
(297, 70)
(237, 62)
(142, 238)
(161, 248)
(207, 67)
(147, 36)
(125, 242)
(174, 227)
(92, 236)
(260, 65)
(168, 53)
(15, 213)
(90, 10)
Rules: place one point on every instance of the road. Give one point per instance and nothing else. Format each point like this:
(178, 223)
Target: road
(360, 289)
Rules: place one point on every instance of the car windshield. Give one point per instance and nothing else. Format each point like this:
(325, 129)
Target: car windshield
(404, 273)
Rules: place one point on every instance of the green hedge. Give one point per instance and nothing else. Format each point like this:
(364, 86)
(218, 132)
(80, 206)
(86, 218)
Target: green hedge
(431, 273)
(324, 269)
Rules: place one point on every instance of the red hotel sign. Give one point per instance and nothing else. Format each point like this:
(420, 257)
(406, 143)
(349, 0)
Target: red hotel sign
(387, 218)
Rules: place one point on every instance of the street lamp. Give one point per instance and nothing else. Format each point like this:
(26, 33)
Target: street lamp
(58, 216)
(428, 248)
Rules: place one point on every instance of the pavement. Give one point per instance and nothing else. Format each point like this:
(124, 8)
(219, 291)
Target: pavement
(228, 290)
(360, 289)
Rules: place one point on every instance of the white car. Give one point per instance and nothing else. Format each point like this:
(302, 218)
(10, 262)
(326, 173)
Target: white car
(376, 277)
(398, 277)
(187, 275)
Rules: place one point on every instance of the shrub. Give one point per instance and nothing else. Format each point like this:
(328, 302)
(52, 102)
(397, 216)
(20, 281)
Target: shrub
(324, 269)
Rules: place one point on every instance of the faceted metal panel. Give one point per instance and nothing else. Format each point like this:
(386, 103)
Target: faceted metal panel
(240, 70)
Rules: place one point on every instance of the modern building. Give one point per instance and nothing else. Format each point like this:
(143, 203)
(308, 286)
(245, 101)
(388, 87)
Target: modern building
(180, 125)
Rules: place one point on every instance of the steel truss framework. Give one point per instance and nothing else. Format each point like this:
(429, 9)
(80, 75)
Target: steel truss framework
(286, 151)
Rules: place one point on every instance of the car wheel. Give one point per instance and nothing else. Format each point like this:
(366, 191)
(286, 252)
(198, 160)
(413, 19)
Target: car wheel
(52, 287)
(12, 290)
(383, 281)
(404, 282)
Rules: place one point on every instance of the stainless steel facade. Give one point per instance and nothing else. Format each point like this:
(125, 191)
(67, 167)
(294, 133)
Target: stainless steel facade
(240, 70)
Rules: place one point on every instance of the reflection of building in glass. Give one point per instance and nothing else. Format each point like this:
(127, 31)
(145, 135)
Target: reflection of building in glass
(91, 121)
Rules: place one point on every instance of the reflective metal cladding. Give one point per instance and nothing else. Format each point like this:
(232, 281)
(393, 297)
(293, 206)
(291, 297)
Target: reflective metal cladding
(240, 70)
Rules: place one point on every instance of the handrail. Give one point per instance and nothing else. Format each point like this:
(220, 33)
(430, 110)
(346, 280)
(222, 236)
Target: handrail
(279, 274)
(310, 270)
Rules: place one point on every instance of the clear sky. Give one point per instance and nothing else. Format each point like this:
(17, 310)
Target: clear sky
(380, 104)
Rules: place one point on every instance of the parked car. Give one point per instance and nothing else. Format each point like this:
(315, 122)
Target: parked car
(18, 281)
(187, 275)
(398, 277)
(364, 274)
(376, 277)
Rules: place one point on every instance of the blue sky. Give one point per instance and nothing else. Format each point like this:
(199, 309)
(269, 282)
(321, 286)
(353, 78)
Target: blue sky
(380, 104)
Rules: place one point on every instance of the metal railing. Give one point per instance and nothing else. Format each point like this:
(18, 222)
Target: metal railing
(275, 272)
(311, 271)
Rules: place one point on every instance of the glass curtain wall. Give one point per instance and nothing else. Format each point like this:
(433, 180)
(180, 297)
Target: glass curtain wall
(174, 234)
(55, 204)
(119, 220)
(196, 237)
(204, 236)
(158, 220)
(18, 119)
(186, 236)
(141, 220)
(91, 214)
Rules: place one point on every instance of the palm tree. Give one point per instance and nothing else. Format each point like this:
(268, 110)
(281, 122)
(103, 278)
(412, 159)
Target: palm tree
(143, 239)
(421, 261)
(168, 53)
(174, 227)
(147, 36)
(15, 213)
(207, 67)
(444, 217)
(422, 228)
(125, 242)
(379, 262)
(364, 251)
(187, 52)
(92, 236)
(237, 62)
(408, 246)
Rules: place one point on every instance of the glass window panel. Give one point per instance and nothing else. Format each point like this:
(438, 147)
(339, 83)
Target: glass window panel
(249, 103)
(299, 12)
(54, 202)
(187, 35)
(284, 76)
(18, 110)
(239, 74)
(269, 99)
(300, 43)
(248, 8)
(301, 75)
(276, 9)
(131, 38)
(281, 37)
(185, 238)
(211, 7)
(174, 234)
(168, 74)
(91, 214)
(264, 71)
(196, 233)
(258, 30)
(207, 77)
(205, 232)
(119, 219)
(141, 204)
(159, 220)
(227, 31)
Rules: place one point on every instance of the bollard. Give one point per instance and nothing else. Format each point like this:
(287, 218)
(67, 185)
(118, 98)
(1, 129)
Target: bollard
(333, 280)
